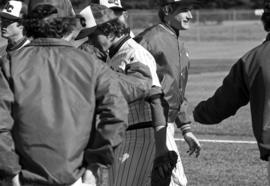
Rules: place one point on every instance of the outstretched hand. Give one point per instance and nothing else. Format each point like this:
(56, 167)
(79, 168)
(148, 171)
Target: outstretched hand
(193, 143)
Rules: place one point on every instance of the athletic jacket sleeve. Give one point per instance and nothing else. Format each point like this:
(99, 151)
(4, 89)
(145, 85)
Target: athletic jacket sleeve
(135, 81)
(227, 99)
(9, 163)
(111, 119)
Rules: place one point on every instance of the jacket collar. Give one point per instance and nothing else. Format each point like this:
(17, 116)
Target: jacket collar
(169, 29)
(19, 44)
(49, 42)
(115, 48)
(267, 37)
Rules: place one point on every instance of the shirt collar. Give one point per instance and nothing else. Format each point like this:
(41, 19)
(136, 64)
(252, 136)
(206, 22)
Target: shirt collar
(17, 45)
(115, 48)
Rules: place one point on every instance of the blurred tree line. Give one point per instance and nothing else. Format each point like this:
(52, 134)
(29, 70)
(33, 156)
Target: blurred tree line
(149, 4)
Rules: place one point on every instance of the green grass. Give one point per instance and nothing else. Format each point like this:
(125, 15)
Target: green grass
(223, 165)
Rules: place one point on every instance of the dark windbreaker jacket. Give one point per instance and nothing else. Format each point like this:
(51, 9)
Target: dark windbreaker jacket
(248, 81)
(52, 97)
(172, 67)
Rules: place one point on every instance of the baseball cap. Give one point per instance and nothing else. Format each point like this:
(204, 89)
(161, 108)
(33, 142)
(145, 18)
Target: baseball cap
(266, 6)
(14, 10)
(92, 16)
(182, 2)
(64, 7)
(112, 4)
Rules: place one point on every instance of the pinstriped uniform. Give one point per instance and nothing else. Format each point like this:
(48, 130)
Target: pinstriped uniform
(134, 157)
(139, 112)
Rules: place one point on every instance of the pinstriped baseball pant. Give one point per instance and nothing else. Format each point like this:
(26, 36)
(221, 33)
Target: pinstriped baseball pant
(134, 159)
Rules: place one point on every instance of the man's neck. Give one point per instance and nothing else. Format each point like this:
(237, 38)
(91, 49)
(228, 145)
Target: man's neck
(15, 39)
(117, 40)
(116, 44)
(175, 31)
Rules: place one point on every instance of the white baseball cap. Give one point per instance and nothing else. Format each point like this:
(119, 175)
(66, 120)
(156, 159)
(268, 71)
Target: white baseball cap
(14, 10)
(93, 16)
(112, 4)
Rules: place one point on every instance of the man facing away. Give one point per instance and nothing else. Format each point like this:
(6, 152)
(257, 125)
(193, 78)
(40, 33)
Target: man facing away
(63, 107)
(11, 26)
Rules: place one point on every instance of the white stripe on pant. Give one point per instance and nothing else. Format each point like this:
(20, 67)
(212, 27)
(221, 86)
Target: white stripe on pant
(178, 174)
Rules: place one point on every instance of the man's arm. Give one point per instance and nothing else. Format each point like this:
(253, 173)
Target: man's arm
(111, 119)
(135, 81)
(228, 98)
(9, 160)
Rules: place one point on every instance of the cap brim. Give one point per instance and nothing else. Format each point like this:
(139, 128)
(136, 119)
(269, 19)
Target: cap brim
(118, 8)
(192, 3)
(85, 32)
(8, 16)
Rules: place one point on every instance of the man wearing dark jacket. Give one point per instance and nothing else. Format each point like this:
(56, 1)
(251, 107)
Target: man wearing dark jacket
(164, 42)
(248, 81)
(63, 107)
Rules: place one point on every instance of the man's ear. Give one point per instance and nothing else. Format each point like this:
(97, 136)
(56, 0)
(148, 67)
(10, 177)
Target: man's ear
(20, 26)
(111, 37)
(167, 9)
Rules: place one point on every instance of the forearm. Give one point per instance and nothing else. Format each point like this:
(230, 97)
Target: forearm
(134, 88)
(9, 160)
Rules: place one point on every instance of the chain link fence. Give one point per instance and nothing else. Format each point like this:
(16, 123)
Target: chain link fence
(208, 25)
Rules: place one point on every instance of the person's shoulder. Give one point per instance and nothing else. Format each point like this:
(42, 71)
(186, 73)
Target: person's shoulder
(259, 50)
(149, 33)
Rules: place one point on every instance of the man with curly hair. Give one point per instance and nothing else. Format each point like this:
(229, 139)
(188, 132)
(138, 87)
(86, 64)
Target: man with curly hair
(133, 163)
(62, 112)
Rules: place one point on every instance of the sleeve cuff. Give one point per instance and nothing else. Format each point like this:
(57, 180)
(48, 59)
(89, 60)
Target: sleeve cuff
(185, 128)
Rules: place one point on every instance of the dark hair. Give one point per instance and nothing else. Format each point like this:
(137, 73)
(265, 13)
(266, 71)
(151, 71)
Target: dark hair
(165, 10)
(266, 21)
(115, 27)
(41, 23)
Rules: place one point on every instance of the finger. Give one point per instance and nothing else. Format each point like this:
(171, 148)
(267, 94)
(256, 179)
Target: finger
(191, 151)
(198, 152)
(161, 172)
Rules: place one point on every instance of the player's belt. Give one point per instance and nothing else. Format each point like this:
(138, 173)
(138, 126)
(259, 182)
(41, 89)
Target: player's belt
(140, 126)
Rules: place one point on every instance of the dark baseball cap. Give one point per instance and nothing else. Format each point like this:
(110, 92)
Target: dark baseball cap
(266, 6)
(92, 16)
(180, 2)
(14, 10)
(64, 7)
